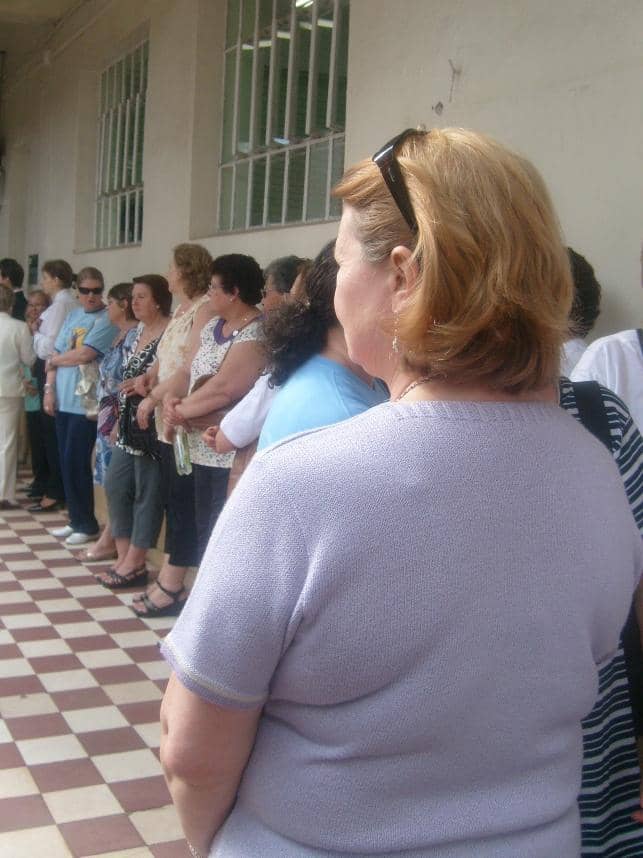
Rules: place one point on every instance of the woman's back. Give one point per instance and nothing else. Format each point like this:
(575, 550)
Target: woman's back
(426, 646)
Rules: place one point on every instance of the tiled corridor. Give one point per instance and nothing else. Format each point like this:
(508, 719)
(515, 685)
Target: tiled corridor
(81, 681)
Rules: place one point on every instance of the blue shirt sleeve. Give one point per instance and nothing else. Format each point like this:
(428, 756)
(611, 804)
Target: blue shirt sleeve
(101, 335)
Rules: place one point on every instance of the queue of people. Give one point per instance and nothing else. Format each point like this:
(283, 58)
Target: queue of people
(405, 634)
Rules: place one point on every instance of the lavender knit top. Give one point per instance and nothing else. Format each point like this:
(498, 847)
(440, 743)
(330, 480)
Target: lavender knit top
(419, 598)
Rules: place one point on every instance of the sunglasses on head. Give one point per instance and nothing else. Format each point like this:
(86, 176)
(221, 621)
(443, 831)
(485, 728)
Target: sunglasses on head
(83, 290)
(386, 160)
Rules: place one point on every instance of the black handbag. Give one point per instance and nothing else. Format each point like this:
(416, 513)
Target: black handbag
(132, 435)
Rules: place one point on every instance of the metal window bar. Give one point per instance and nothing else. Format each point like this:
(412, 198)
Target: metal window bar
(292, 56)
(252, 125)
(271, 75)
(331, 98)
(311, 96)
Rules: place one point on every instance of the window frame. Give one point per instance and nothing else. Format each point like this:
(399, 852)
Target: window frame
(267, 150)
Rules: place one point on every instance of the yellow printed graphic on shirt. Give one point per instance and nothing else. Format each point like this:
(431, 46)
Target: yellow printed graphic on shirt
(78, 337)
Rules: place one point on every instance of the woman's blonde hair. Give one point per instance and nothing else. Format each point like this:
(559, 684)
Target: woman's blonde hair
(494, 291)
(194, 263)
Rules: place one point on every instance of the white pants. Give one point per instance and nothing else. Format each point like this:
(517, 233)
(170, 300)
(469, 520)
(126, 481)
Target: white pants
(10, 410)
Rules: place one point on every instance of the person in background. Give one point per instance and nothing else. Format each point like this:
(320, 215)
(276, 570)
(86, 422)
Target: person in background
(133, 481)
(318, 382)
(16, 350)
(586, 308)
(188, 278)
(37, 303)
(85, 336)
(395, 631)
(616, 362)
(120, 314)
(12, 274)
(56, 281)
(242, 425)
(227, 361)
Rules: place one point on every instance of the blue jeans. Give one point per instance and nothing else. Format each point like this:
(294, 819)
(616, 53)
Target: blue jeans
(76, 438)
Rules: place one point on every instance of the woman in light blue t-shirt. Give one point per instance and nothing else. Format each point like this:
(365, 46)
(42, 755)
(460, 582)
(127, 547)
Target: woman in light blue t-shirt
(319, 384)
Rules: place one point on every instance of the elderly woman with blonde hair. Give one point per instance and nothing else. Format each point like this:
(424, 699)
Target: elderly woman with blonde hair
(395, 657)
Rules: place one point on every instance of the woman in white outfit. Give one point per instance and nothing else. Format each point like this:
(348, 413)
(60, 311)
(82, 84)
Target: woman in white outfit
(16, 349)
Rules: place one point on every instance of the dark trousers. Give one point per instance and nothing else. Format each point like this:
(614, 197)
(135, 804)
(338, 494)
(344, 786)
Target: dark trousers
(210, 489)
(76, 439)
(54, 488)
(180, 525)
(39, 466)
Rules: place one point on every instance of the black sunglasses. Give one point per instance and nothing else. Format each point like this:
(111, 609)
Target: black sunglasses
(386, 160)
(83, 290)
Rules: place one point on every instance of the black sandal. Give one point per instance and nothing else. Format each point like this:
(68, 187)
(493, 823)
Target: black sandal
(116, 581)
(172, 610)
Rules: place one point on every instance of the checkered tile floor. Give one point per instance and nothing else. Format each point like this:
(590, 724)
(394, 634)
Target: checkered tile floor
(81, 681)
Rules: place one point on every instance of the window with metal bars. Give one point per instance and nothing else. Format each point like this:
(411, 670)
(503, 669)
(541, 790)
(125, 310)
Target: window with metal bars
(284, 111)
(121, 126)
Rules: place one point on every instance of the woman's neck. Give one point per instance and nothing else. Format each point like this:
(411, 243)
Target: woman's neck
(337, 350)
(126, 325)
(410, 386)
(239, 315)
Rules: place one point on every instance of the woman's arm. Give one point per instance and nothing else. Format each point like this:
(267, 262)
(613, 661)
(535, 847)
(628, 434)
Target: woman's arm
(74, 357)
(204, 750)
(241, 367)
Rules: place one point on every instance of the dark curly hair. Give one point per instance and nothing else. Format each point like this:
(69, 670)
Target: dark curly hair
(241, 272)
(295, 332)
(586, 306)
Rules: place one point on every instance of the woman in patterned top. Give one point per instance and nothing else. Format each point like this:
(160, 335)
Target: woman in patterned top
(229, 359)
(188, 278)
(133, 481)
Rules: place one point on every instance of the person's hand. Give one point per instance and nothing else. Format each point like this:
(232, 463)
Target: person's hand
(51, 363)
(171, 413)
(141, 385)
(113, 435)
(145, 408)
(29, 388)
(127, 386)
(209, 437)
(49, 403)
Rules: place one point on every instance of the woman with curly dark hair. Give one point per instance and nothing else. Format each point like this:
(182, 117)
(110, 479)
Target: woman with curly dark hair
(319, 383)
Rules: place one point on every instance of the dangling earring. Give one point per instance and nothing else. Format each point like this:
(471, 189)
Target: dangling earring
(395, 344)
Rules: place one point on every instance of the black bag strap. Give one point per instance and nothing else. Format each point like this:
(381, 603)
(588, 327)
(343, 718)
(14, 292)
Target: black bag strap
(639, 333)
(591, 410)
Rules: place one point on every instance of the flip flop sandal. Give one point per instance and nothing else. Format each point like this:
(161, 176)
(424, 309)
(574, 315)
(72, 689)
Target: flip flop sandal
(172, 610)
(116, 581)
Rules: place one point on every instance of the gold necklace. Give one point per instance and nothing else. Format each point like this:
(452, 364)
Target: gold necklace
(412, 386)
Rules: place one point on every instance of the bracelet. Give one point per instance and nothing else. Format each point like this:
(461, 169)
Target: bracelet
(47, 387)
(194, 852)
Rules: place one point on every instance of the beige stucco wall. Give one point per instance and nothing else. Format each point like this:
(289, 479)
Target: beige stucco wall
(559, 81)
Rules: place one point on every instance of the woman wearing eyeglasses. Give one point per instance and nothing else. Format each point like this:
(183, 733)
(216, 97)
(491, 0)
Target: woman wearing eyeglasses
(85, 336)
(395, 657)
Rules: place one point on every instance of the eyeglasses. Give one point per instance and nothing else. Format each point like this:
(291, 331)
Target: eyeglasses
(83, 290)
(386, 160)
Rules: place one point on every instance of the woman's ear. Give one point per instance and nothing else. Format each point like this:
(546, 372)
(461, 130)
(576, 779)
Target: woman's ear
(405, 273)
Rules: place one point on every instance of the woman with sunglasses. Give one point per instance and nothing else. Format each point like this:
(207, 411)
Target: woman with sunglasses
(85, 336)
(398, 652)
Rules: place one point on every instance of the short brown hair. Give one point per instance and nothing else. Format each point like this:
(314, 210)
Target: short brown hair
(6, 298)
(90, 273)
(157, 284)
(494, 290)
(61, 269)
(194, 263)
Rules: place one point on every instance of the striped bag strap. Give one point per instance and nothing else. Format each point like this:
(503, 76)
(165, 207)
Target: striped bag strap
(591, 410)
